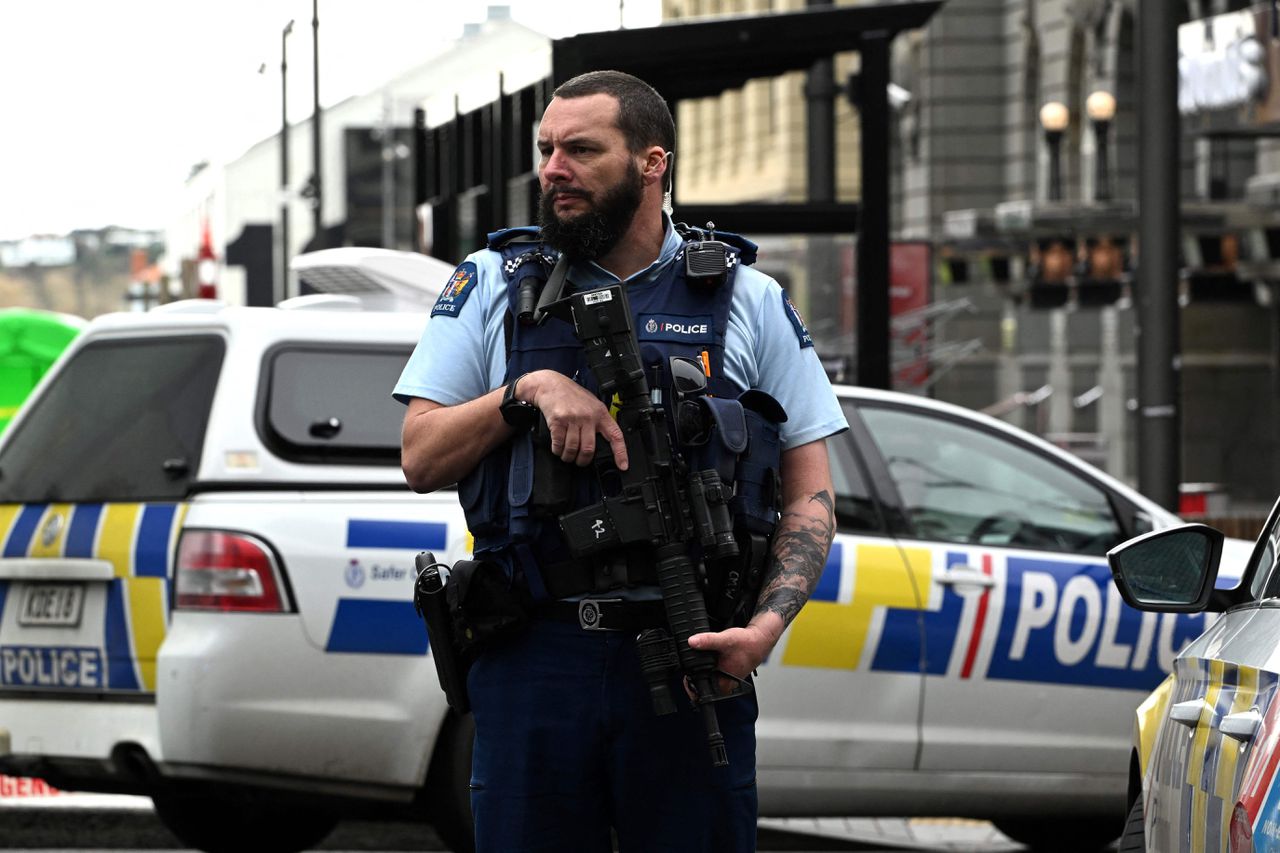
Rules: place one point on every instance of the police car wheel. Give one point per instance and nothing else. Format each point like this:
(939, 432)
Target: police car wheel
(1134, 839)
(216, 823)
(1061, 835)
(448, 788)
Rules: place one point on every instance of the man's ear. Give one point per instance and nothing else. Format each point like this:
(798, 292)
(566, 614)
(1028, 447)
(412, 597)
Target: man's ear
(655, 165)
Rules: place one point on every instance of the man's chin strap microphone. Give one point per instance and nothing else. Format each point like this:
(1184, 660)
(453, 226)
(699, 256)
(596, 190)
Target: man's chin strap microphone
(670, 181)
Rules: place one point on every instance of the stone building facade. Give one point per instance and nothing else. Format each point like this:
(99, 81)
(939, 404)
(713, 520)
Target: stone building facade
(972, 169)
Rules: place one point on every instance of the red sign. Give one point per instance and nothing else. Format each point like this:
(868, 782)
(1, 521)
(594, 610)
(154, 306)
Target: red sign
(910, 276)
(910, 291)
(22, 786)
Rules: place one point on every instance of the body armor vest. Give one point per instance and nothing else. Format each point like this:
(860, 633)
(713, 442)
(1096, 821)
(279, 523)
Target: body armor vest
(674, 315)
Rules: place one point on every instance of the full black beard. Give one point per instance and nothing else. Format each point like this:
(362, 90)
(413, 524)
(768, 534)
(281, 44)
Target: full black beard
(594, 232)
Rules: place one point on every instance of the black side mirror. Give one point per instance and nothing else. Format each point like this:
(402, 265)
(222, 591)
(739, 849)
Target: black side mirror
(1168, 571)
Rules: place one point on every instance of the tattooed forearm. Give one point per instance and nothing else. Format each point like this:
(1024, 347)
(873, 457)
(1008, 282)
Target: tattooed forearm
(799, 554)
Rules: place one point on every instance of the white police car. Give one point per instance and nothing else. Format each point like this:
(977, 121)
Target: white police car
(206, 547)
(1206, 742)
(965, 652)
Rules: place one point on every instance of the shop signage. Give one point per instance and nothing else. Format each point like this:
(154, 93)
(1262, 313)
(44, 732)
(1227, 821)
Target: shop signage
(1230, 64)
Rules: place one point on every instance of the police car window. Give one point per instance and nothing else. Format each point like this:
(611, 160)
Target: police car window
(123, 421)
(1266, 578)
(1264, 573)
(963, 484)
(856, 511)
(334, 405)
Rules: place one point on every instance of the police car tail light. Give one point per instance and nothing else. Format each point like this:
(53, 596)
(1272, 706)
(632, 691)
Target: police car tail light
(1240, 836)
(225, 571)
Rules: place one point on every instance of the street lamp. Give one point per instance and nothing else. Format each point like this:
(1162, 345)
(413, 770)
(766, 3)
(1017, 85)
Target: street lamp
(1054, 118)
(283, 290)
(1101, 107)
(316, 183)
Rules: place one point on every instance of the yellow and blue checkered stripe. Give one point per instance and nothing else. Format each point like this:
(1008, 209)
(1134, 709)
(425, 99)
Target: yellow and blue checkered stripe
(1201, 769)
(139, 541)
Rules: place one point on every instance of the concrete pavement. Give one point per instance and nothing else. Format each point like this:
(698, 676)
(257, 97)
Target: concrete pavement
(934, 834)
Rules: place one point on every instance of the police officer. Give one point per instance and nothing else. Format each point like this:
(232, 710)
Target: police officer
(568, 748)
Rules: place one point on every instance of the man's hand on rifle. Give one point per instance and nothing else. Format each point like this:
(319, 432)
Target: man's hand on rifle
(741, 650)
(800, 549)
(574, 417)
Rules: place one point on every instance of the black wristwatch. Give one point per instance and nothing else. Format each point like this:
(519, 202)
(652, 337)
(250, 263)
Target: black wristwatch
(520, 414)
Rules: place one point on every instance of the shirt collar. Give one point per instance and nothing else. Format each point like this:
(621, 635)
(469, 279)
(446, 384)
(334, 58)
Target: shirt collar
(590, 275)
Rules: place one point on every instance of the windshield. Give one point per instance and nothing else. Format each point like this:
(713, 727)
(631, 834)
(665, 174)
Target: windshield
(123, 421)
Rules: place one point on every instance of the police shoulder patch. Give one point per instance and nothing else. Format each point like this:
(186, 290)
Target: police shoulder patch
(797, 322)
(455, 293)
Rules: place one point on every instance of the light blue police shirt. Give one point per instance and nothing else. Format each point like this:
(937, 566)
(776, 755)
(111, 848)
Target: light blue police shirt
(462, 355)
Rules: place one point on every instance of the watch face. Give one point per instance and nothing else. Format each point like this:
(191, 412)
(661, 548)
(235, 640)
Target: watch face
(519, 414)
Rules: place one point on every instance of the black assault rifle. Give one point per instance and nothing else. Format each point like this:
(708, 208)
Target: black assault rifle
(657, 502)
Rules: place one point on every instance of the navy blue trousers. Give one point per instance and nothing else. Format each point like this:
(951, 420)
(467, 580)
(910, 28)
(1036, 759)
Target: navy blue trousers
(568, 749)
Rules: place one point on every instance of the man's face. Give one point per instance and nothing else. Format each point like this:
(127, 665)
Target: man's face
(591, 183)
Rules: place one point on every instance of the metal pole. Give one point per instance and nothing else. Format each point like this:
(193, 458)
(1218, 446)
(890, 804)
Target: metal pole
(1159, 419)
(419, 175)
(420, 178)
(873, 238)
(282, 290)
(822, 276)
(388, 155)
(820, 93)
(1102, 172)
(1053, 138)
(318, 180)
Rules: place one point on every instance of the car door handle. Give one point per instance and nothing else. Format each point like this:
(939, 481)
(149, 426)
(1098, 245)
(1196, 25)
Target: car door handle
(962, 575)
(1188, 713)
(1241, 726)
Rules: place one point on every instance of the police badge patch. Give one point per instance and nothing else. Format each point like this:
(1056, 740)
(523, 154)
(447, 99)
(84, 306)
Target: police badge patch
(455, 293)
(797, 322)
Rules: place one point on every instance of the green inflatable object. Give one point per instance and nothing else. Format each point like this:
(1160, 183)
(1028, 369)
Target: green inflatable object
(30, 341)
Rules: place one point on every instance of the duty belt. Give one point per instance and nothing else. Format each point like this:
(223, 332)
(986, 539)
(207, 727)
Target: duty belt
(604, 614)
(570, 578)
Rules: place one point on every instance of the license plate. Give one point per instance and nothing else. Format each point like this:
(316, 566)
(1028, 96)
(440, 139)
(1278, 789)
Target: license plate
(52, 604)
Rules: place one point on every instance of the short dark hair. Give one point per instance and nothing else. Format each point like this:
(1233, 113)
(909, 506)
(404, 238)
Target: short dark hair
(643, 115)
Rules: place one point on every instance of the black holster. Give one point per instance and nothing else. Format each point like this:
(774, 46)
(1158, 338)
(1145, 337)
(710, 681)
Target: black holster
(430, 600)
(467, 609)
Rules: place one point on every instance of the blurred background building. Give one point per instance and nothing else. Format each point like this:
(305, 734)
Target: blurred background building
(1019, 221)
(85, 273)
(1013, 163)
(366, 166)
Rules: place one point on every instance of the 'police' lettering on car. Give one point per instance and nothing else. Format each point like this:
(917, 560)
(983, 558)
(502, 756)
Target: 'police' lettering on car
(35, 666)
(1071, 627)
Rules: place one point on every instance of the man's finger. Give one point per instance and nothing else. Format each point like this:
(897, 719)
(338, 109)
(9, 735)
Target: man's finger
(710, 641)
(587, 449)
(570, 451)
(613, 434)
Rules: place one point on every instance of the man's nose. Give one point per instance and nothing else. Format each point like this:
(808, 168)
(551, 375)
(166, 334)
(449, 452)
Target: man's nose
(556, 168)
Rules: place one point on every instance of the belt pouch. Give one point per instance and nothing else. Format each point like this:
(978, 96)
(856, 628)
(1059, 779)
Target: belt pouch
(486, 606)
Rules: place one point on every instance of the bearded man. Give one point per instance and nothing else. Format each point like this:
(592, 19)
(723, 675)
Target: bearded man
(569, 753)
